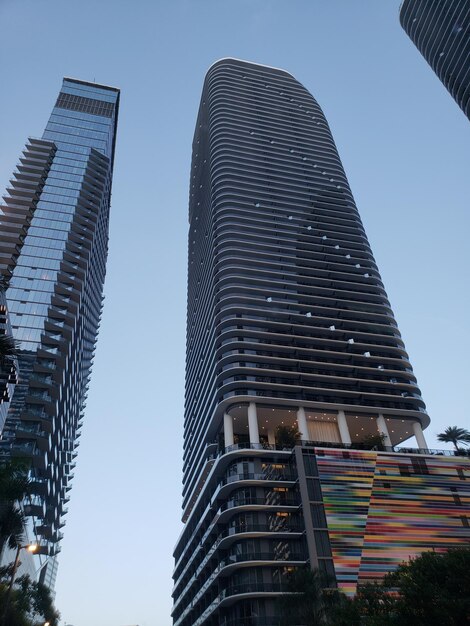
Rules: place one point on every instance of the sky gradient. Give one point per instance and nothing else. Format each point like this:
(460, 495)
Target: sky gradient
(404, 144)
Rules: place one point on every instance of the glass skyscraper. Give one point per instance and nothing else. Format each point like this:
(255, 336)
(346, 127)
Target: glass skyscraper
(54, 241)
(290, 340)
(440, 30)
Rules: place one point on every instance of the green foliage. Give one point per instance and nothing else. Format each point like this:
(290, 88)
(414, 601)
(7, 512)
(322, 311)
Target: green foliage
(373, 442)
(14, 482)
(430, 590)
(309, 601)
(455, 435)
(28, 598)
(8, 349)
(434, 589)
(30, 603)
(14, 486)
(287, 436)
(372, 606)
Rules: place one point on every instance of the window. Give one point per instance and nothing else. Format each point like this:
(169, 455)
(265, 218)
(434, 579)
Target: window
(318, 516)
(326, 568)
(322, 543)
(310, 464)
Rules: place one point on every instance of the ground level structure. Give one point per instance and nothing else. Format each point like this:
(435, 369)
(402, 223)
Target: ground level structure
(354, 514)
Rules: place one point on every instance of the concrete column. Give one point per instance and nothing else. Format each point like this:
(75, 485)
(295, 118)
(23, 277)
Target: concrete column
(343, 427)
(418, 433)
(253, 423)
(302, 424)
(228, 430)
(271, 437)
(382, 426)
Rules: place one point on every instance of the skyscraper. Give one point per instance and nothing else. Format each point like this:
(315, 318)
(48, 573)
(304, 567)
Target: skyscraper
(53, 249)
(440, 30)
(290, 340)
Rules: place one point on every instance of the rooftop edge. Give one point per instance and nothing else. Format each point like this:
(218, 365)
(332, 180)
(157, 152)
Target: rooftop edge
(89, 83)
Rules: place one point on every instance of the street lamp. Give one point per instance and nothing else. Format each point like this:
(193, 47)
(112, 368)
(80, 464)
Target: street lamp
(30, 547)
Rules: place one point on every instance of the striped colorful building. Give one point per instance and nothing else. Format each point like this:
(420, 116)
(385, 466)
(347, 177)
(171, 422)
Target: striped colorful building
(383, 508)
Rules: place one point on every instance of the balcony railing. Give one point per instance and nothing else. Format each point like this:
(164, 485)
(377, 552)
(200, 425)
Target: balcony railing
(290, 527)
(381, 448)
(281, 502)
(273, 475)
(344, 446)
(238, 590)
(251, 621)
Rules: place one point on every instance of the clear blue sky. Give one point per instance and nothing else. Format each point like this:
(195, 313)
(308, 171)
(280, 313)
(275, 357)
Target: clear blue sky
(405, 147)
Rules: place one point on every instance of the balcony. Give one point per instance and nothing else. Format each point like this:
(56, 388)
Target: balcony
(247, 590)
(274, 476)
(345, 446)
(28, 450)
(381, 448)
(230, 534)
(260, 503)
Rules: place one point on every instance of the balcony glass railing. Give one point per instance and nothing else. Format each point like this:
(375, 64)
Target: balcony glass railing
(287, 527)
(344, 446)
(259, 588)
(250, 621)
(275, 501)
(273, 475)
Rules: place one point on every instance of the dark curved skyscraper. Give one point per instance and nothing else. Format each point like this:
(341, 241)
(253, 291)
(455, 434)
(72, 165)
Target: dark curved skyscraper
(288, 326)
(440, 29)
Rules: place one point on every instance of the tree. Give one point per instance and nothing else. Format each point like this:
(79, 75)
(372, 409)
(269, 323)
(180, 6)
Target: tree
(309, 601)
(374, 442)
(287, 436)
(433, 589)
(8, 349)
(31, 602)
(373, 605)
(430, 590)
(455, 435)
(14, 486)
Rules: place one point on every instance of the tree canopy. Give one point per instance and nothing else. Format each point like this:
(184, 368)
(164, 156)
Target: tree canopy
(432, 589)
(30, 603)
(455, 435)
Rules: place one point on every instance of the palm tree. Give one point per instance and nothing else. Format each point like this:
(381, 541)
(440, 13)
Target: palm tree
(454, 434)
(14, 486)
(30, 601)
(8, 349)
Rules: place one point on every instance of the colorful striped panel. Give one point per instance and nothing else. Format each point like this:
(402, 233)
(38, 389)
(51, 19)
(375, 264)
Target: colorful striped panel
(384, 508)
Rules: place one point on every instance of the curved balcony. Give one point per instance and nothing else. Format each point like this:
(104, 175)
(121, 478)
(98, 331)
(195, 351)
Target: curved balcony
(255, 504)
(242, 560)
(249, 590)
(228, 483)
(227, 537)
(251, 621)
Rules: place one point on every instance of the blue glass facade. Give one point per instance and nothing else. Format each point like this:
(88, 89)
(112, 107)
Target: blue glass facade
(56, 272)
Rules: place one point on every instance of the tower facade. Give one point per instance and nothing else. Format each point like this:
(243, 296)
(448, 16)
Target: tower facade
(440, 30)
(8, 365)
(53, 250)
(290, 336)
